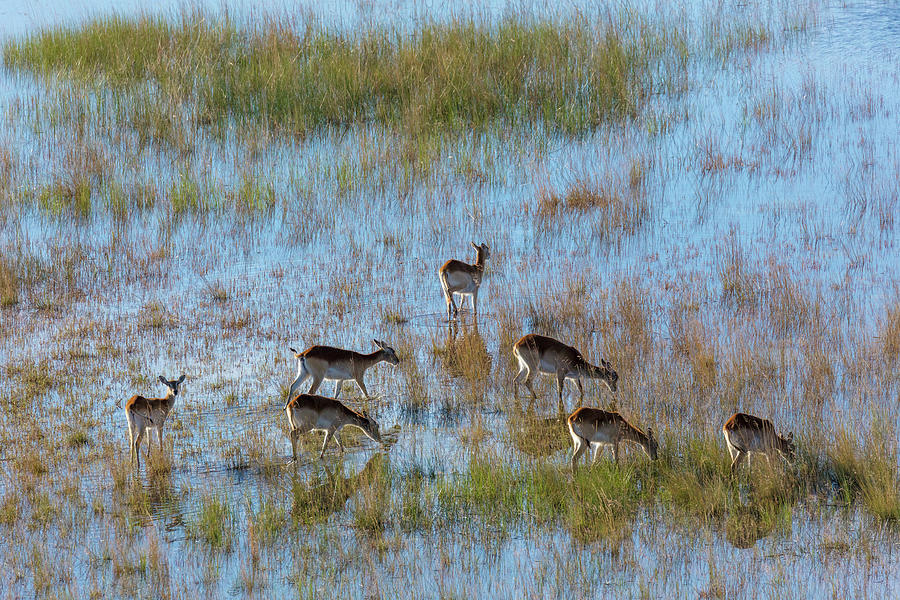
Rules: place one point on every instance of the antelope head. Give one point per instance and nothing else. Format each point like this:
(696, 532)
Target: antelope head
(652, 445)
(482, 253)
(172, 385)
(608, 375)
(787, 447)
(370, 427)
(389, 354)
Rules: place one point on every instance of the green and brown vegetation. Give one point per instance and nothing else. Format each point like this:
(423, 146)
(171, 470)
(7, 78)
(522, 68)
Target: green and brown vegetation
(199, 193)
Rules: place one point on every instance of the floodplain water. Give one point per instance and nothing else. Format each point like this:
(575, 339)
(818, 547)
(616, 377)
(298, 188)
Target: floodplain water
(776, 160)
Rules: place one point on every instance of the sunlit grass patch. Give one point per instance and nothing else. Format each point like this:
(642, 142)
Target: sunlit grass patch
(269, 521)
(697, 480)
(214, 524)
(614, 209)
(465, 355)
(456, 75)
(867, 471)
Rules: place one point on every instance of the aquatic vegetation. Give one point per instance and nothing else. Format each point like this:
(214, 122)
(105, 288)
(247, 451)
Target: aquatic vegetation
(660, 186)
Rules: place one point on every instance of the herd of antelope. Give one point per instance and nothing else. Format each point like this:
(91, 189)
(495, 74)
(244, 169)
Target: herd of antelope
(535, 354)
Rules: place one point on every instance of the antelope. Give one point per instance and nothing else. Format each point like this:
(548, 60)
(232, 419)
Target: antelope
(338, 365)
(538, 353)
(589, 426)
(149, 413)
(745, 434)
(308, 412)
(464, 279)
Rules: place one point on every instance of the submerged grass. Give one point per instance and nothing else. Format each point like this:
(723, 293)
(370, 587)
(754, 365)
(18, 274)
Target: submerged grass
(568, 76)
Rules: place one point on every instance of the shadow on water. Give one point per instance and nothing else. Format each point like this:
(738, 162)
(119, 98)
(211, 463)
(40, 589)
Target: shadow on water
(771, 498)
(317, 497)
(539, 436)
(464, 355)
(153, 496)
(747, 525)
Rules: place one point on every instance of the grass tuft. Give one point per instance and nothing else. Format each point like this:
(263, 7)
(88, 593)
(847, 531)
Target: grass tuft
(567, 76)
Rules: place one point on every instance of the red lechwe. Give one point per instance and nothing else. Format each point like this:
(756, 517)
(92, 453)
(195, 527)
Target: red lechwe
(308, 412)
(542, 354)
(592, 426)
(745, 434)
(464, 279)
(149, 413)
(338, 365)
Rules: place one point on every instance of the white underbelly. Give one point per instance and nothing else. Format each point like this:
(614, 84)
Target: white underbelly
(550, 368)
(338, 372)
(466, 291)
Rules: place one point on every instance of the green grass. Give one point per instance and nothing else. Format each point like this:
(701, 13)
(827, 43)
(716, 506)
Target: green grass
(568, 76)
(214, 524)
(9, 283)
(867, 471)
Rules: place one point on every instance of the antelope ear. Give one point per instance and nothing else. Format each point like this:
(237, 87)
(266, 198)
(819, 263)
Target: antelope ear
(163, 381)
(292, 350)
(791, 436)
(379, 344)
(180, 379)
(474, 245)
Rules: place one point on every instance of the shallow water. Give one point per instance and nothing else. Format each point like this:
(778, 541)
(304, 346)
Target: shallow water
(813, 190)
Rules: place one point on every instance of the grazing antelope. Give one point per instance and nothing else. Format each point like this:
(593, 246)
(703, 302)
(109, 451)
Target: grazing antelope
(149, 413)
(325, 362)
(464, 279)
(589, 426)
(308, 413)
(538, 353)
(745, 434)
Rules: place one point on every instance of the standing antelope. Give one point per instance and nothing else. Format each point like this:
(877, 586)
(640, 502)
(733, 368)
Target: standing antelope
(325, 362)
(538, 353)
(745, 434)
(149, 413)
(589, 426)
(464, 279)
(308, 413)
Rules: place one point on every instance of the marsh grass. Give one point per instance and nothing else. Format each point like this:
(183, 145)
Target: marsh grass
(756, 331)
(889, 335)
(868, 471)
(605, 499)
(214, 523)
(788, 306)
(9, 283)
(741, 284)
(317, 497)
(446, 76)
(599, 503)
(269, 521)
(615, 209)
(465, 355)
(36, 379)
(695, 479)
